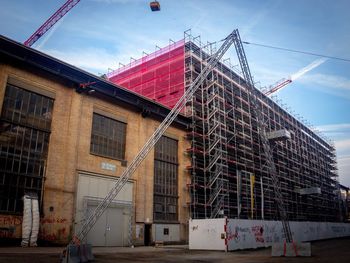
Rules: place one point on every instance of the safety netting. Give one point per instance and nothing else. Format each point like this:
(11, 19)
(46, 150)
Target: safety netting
(158, 76)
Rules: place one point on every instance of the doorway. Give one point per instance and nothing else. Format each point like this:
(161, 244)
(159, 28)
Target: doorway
(147, 234)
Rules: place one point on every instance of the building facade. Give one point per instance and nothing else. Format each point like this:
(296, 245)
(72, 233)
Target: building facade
(66, 136)
(228, 170)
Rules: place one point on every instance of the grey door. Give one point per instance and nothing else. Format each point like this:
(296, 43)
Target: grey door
(109, 229)
(115, 227)
(97, 235)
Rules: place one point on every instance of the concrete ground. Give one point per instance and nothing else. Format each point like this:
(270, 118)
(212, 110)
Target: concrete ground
(335, 250)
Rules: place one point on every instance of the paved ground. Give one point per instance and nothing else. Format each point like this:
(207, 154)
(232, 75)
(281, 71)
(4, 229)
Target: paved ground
(328, 251)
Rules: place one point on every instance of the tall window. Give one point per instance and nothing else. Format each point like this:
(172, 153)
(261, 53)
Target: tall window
(108, 137)
(24, 137)
(165, 180)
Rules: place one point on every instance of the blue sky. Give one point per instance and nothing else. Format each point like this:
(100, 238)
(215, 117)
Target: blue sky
(98, 34)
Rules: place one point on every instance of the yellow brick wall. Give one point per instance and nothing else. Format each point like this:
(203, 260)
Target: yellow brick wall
(69, 153)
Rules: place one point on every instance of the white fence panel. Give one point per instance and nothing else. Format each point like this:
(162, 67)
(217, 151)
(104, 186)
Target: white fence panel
(246, 234)
(208, 234)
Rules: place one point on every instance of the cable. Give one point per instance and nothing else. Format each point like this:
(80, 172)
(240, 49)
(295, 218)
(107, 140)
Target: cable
(296, 51)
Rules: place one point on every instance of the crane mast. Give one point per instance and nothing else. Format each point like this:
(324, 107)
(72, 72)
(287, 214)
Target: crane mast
(64, 9)
(261, 126)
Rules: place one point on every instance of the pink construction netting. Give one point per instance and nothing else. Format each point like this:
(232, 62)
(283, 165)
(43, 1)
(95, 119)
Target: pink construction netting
(158, 76)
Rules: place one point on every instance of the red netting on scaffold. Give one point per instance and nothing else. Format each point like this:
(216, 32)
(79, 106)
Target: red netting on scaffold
(158, 76)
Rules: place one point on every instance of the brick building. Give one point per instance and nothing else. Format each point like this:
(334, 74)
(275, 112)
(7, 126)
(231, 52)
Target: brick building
(66, 135)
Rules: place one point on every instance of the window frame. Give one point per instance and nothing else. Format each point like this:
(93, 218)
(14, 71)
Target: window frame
(29, 126)
(123, 142)
(166, 179)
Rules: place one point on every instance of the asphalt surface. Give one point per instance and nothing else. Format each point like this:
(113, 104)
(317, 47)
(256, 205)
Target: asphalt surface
(335, 250)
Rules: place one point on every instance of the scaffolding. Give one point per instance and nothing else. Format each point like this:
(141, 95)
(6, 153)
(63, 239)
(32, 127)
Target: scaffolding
(228, 170)
(209, 138)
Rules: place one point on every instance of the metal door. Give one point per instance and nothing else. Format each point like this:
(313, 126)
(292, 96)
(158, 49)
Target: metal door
(109, 229)
(115, 227)
(97, 235)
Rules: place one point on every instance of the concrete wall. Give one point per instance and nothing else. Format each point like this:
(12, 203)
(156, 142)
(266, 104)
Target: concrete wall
(69, 155)
(247, 234)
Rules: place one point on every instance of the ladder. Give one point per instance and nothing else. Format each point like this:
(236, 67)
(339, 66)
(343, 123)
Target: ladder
(253, 92)
(128, 172)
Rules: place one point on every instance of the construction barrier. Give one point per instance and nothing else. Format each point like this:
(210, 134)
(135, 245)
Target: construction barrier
(233, 234)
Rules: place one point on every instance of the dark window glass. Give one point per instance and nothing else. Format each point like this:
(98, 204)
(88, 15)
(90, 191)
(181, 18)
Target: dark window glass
(166, 231)
(165, 180)
(108, 137)
(24, 137)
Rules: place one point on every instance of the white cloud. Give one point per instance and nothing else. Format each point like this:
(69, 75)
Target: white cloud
(343, 160)
(344, 168)
(99, 60)
(337, 132)
(119, 39)
(342, 146)
(203, 15)
(331, 81)
(91, 59)
(42, 42)
(331, 84)
(254, 20)
(334, 127)
(265, 75)
(306, 69)
(340, 133)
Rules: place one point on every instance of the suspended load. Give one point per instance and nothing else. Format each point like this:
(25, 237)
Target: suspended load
(155, 6)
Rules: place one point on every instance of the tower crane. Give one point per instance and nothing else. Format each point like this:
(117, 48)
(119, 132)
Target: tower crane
(64, 9)
(283, 82)
(262, 131)
(277, 86)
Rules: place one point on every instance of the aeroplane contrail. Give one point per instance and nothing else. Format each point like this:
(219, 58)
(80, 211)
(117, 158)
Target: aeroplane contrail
(306, 69)
(49, 34)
